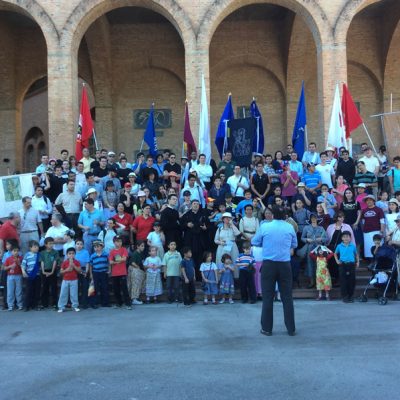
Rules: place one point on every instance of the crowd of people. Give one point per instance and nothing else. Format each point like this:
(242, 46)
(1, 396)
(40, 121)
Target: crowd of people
(157, 224)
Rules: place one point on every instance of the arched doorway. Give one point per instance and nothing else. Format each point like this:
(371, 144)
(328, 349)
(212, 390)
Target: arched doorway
(132, 57)
(34, 147)
(255, 52)
(21, 39)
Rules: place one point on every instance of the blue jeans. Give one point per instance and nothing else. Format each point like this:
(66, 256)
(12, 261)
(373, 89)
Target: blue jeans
(14, 291)
(68, 288)
(101, 286)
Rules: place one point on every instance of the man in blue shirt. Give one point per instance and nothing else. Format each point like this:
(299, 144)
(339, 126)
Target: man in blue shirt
(91, 222)
(277, 239)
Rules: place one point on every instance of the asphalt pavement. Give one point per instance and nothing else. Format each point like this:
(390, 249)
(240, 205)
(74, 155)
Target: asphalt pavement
(341, 351)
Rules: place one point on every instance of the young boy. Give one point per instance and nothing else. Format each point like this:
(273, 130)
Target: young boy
(136, 274)
(246, 262)
(70, 268)
(346, 257)
(31, 272)
(9, 244)
(83, 256)
(49, 259)
(99, 269)
(188, 274)
(12, 266)
(117, 259)
(172, 272)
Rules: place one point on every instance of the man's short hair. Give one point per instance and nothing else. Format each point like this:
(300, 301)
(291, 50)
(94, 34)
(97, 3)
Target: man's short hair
(278, 213)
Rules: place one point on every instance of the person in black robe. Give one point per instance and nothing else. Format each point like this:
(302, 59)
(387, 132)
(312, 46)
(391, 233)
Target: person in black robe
(169, 220)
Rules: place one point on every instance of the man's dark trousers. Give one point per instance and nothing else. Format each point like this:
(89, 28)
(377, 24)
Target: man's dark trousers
(281, 272)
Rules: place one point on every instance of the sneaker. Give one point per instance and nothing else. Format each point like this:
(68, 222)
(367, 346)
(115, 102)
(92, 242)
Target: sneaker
(128, 307)
(231, 301)
(76, 309)
(10, 309)
(136, 302)
(60, 310)
(188, 305)
(114, 306)
(20, 308)
(222, 301)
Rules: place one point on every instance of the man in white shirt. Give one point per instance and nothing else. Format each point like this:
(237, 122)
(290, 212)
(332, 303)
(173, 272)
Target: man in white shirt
(196, 192)
(311, 156)
(43, 205)
(326, 171)
(204, 171)
(371, 162)
(238, 184)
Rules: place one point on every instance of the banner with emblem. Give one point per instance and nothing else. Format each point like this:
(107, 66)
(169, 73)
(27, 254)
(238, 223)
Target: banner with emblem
(240, 140)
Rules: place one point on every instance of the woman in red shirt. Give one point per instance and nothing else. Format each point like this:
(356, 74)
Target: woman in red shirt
(123, 220)
(143, 224)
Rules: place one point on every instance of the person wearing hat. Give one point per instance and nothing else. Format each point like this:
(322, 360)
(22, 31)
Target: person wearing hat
(303, 195)
(111, 159)
(99, 269)
(373, 224)
(361, 194)
(390, 217)
(225, 239)
(135, 187)
(92, 194)
(330, 159)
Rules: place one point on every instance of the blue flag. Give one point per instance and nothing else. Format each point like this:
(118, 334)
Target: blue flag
(300, 126)
(150, 133)
(258, 142)
(221, 138)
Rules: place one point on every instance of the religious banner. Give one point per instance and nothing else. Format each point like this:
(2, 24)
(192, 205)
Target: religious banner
(240, 140)
(12, 189)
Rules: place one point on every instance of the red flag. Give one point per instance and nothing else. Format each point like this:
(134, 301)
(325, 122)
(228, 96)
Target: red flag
(188, 140)
(351, 116)
(85, 126)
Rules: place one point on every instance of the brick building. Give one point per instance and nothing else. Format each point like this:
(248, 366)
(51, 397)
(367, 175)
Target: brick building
(135, 52)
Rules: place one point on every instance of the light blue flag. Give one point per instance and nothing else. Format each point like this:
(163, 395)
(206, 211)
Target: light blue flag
(300, 126)
(221, 139)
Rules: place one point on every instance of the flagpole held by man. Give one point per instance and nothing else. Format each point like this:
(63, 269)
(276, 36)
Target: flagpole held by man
(150, 134)
(221, 139)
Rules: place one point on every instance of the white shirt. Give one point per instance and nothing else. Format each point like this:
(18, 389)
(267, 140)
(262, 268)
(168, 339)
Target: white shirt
(40, 204)
(326, 171)
(204, 172)
(57, 232)
(233, 183)
(371, 163)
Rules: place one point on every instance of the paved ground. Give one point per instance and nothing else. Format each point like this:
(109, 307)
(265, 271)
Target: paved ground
(214, 352)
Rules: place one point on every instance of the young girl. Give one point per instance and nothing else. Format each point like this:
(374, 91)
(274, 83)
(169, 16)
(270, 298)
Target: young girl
(156, 238)
(341, 186)
(152, 265)
(383, 202)
(208, 270)
(136, 275)
(321, 255)
(110, 200)
(107, 235)
(226, 283)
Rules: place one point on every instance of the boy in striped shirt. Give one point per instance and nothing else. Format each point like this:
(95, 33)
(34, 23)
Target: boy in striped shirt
(100, 269)
(245, 262)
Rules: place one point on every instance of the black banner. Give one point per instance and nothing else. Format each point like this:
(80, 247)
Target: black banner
(240, 140)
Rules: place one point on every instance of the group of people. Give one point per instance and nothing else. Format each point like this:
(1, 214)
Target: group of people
(156, 220)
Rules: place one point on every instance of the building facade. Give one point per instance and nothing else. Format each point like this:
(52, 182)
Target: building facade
(132, 53)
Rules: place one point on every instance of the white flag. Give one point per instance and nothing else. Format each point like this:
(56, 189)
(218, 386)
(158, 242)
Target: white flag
(204, 125)
(337, 132)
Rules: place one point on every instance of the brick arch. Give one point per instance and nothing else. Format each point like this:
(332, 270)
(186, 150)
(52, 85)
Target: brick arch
(391, 70)
(87, 12)
(346, 16)
(367, 71)
(312, 13)
(33, 10)
(253, 60)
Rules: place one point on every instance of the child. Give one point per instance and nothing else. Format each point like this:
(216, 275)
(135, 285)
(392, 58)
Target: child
(31, 272)
(217, 219)
(361, 194)
(258, 258)
(346, 257)
(156, 238)
(9, 244)
(12, 266)
(83, 256)
(110, 200)
(172, 271)
(99, 270)
(136, 275)
(208, 270)
(188, 274)
(70, 269)
(229, 205)
(321, 255)
(226, 282)
(153, 275)
(383, 202)
(69, 242)
(246, 262)
(117, 259)
(49, 259)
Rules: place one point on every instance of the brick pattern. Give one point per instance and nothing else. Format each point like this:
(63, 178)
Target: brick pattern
(129, 66)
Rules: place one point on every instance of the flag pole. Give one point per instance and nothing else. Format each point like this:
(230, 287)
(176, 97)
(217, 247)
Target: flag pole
(369, 137)
(226, 131)
(95, 140)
